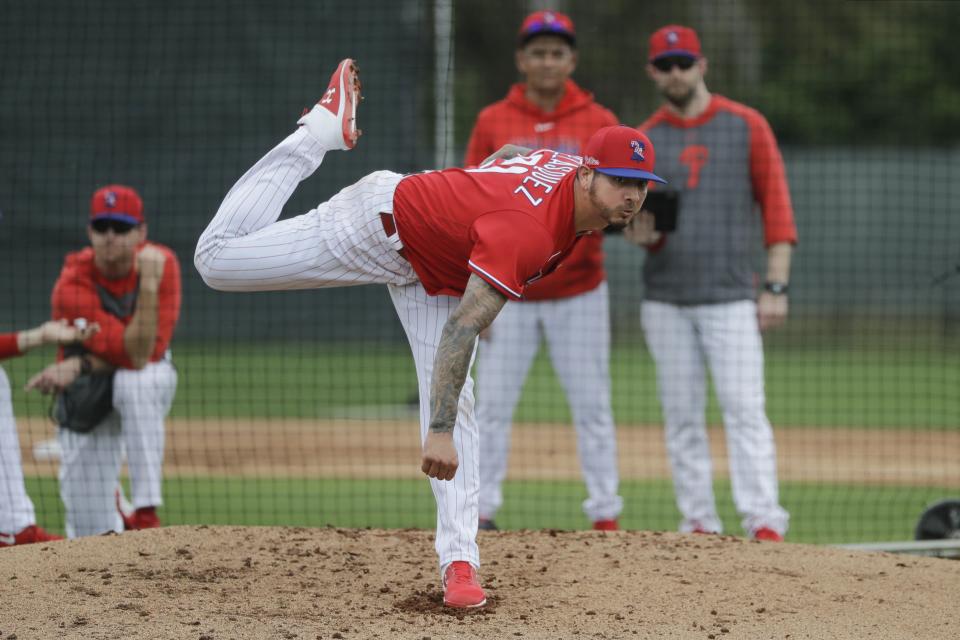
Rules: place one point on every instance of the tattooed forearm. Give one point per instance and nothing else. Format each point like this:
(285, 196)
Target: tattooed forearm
(449, 374)
(480, 305)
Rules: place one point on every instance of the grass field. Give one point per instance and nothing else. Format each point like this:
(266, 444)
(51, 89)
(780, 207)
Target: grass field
(820, 513)
(903, 388)
(895, 387)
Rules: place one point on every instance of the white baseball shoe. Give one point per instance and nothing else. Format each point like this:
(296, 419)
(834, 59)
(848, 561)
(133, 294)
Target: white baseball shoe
(333, 120)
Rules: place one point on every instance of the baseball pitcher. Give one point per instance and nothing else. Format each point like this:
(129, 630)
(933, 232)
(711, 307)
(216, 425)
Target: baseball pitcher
(452, 247)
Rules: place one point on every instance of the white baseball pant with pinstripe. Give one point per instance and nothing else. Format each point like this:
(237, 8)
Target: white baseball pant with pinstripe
(342, 243)
(90, 463)
(684, 341)
(579, 350)
(16, 509)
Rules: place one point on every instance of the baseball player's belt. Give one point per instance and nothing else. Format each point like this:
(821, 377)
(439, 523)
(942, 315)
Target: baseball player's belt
(390, 228)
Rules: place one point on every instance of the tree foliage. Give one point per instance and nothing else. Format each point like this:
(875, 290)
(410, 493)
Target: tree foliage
(824, 72)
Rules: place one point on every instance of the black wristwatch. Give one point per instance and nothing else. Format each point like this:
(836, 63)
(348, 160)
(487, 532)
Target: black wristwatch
(86, 366)
(776, 288)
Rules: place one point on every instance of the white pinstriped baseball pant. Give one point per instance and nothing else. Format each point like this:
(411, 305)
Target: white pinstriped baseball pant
(579, 346)
(684, 340)
(91, 462)
(343, 243)
(16, 508)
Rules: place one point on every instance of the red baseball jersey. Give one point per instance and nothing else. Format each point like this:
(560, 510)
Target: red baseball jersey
(82, 291)
(8, 345)
(510, 222)
(516, 120)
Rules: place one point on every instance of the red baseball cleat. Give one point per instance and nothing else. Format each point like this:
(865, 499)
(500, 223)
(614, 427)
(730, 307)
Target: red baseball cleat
(767, 534)
(606, 525)
(135, 519)
(461, 588)
(29, 535)
(144, 518)
(333, 120)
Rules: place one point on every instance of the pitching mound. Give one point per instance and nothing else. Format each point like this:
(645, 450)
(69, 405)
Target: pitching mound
(213, 583)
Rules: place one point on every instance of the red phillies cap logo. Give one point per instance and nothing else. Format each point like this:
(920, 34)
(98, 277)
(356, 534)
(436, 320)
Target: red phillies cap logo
(117, 202)
(674, 40)
(543, 23)
(623, 152)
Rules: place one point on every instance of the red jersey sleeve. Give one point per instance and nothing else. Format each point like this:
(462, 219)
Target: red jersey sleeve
(8, 345)
(770, 188)
(168, 298)
(75, 296)
(509, 249)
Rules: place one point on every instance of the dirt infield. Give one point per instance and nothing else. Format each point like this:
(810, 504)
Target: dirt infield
(216, 583)
(389, 449)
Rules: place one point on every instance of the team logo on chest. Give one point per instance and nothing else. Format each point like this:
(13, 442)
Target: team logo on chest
(637, 147)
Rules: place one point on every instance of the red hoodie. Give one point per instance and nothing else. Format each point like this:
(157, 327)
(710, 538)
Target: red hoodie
(516, 120)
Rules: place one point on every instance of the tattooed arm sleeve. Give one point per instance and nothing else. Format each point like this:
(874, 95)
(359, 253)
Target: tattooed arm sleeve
(479, 306)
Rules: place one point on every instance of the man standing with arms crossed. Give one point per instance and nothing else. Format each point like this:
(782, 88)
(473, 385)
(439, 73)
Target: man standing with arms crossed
(700, 305)
(570, 307)
(131, 289)
(451, 245)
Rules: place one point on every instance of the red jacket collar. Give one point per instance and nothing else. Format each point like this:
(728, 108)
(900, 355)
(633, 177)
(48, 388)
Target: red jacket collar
(573, 98)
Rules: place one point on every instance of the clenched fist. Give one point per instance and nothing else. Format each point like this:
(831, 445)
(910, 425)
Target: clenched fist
(439, 456)
(150, 261)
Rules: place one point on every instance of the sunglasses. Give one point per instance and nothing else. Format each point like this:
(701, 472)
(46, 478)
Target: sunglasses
(669, 62)
(119, 226)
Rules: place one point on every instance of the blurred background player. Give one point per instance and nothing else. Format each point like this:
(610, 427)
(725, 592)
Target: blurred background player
(131, 288)
(570, 307)
(18, 523)
(700, 306)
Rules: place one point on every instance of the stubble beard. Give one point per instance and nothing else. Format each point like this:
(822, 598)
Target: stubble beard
(605, 213)
(680, 101)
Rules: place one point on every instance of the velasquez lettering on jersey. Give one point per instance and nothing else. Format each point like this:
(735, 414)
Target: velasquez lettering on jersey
(522, 234)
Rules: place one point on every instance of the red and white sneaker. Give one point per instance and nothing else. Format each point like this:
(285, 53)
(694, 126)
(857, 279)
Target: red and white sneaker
(145, 518)
(135, 519)
(767, 534)
(461, 588)
(142, 518)
(333, 120)
(29, 535)
(606, 525)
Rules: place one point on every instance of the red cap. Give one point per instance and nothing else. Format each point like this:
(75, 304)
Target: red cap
(547, 23)
(674, 40)
(621, 151)
(117, 202)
